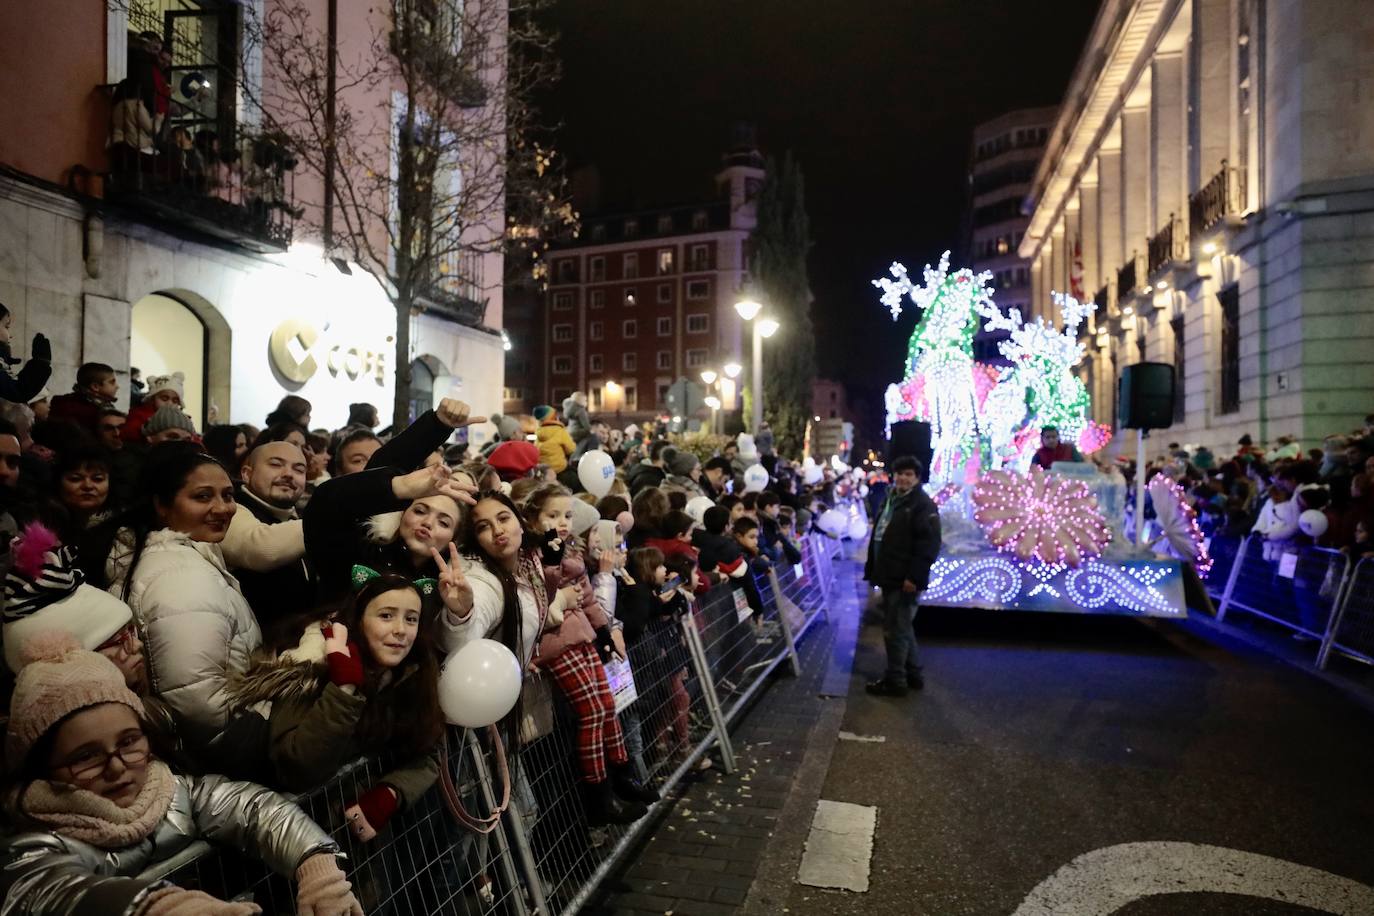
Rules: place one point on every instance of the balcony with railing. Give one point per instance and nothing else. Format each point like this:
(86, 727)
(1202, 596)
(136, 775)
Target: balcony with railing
(455, 291)
(1128, 277)
(188, 171)
(1168, 246)
(1221, 198)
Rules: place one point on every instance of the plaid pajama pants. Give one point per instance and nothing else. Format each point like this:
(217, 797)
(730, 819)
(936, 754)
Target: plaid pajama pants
(578, 673)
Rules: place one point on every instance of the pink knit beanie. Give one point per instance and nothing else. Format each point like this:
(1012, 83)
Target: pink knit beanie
(59, 678)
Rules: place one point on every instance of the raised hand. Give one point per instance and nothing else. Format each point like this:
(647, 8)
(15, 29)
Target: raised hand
(454, 587)
(422, 482)
(454, 413)
(335, 638)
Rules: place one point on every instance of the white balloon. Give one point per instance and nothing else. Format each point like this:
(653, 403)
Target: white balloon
(479, 684)
(595, 470)
(1313, 523)
(833, 522)
(584, 517)
(858, 529)
(697, 506)
(755, 478)
(812, 475)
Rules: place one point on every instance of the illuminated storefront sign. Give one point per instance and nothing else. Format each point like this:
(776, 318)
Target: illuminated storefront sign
(295, 343)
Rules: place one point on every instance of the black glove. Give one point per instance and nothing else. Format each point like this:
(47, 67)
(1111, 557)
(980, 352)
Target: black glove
(41, 349)
(552, 549)
(604, 646)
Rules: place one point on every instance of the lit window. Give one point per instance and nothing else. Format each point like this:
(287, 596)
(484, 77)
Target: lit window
(1002, 244)
(665, 261)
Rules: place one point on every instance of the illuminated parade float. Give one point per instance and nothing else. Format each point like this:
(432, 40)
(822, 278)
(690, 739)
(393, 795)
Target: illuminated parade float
(1016, 536)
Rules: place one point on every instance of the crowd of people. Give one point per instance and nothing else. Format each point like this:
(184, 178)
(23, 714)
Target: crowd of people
(1266, 490)
(195, 624)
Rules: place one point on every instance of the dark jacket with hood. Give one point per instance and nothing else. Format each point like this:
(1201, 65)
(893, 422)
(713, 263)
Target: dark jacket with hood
(910, 543)
(643, 476)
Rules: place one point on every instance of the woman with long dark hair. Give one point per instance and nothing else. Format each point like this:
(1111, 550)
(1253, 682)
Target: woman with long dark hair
(165, 563)
(363, 684)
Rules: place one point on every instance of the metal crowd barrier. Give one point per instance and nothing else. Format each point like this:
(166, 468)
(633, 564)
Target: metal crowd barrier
(692, 678)
(1314, 591)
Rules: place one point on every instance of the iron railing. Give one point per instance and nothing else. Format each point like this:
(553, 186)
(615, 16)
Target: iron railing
(1128, 277)
(1168, 246)
(1221, 197)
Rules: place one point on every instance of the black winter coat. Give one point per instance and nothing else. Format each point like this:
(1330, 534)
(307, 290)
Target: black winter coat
(910, 543)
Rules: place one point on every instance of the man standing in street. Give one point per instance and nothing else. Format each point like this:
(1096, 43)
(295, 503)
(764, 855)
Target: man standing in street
(905, 542)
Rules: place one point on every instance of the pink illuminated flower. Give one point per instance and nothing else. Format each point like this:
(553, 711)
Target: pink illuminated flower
(1040, 516)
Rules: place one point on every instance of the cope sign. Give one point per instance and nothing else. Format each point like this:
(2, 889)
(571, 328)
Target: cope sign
(298, 363)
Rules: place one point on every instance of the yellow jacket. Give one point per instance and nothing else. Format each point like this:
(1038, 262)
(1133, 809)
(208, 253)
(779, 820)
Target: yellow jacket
(555, 445)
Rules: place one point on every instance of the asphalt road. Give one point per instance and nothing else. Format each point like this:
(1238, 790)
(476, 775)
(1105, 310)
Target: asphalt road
(1041, 738)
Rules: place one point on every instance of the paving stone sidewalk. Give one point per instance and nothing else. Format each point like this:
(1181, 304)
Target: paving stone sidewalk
(704, 855)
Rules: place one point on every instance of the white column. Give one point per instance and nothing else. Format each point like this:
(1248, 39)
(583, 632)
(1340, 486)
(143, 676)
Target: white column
(1109, 247)
(1168, 127)
(1210, 83)
(1135, 181)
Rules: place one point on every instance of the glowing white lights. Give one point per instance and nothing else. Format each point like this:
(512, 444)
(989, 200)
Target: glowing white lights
(1040, 516)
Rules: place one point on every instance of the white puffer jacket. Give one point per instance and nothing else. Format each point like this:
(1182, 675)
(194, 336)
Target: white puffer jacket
(197, 630)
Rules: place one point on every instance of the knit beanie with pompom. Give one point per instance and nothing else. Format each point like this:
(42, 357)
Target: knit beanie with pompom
(59, 678)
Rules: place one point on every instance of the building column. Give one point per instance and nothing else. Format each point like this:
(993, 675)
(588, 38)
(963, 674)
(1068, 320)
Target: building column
(1073, 231)
(1037, 282)
(1135, 181)
(1088, 233)
(1058, 271)
(1168, 128)
(1110, 253)
(1210, 96)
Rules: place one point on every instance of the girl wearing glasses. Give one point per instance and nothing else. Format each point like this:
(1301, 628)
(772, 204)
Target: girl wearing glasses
(93, 806)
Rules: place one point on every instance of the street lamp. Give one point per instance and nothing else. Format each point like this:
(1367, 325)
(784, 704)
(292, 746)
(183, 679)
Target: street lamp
(708, 376)
(713, 402)
(732, 370)
(749, 310)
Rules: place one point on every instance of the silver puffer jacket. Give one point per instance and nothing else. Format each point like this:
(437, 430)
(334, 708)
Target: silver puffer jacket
(49, 874)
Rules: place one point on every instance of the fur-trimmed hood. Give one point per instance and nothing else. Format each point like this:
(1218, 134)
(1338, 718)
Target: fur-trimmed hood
(297, 673)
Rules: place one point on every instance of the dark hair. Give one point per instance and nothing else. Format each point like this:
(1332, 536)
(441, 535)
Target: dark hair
(767, 498)
(649, 507)
(8, 429)
(354, 435)
(643, 562)
(677, 500)
(611, 506)
(729, 501)
(91, 374)
(111, 412)
(84, 455)
(221, 441)
(4, 312)
(716, 519)
(361, 414)
(290, 409)
(743, 525)
(512, 636)
(719, 463)
(909, 463)
(751, 501)
(164, 473)
(676, 523)
(656, 449)
(408, 717)
(683, 565)
(279, 432)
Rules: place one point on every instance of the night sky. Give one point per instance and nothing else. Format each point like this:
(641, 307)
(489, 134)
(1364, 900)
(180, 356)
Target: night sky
(876, 98)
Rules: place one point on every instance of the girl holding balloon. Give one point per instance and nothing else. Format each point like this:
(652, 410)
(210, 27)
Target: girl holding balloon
(363, 684)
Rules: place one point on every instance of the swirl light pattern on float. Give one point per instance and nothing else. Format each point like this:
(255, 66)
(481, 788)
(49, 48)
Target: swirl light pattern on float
(1147, 587)
(1037, 516)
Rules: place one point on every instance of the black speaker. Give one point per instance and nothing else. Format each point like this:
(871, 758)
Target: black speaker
(1147, 396)
(911, 437)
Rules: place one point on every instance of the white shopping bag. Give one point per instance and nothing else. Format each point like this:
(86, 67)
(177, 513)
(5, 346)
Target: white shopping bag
(622, 681)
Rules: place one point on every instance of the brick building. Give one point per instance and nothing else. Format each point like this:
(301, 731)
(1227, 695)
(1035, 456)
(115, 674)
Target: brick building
(639, 300)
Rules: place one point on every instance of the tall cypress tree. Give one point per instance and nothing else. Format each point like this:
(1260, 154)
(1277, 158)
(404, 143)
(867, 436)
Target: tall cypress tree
(781, 241)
